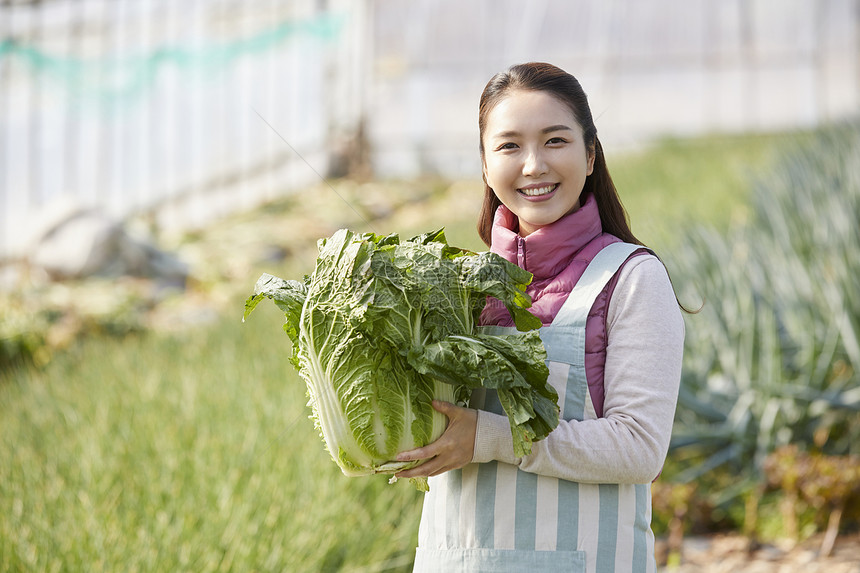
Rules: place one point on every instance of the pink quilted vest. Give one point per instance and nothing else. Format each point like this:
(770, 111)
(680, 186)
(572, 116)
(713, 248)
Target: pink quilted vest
(557, 255)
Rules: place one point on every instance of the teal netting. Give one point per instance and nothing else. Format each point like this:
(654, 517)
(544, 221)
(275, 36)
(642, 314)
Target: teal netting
(128, 76)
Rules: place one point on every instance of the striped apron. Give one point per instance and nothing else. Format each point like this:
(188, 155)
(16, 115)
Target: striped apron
(495, 517)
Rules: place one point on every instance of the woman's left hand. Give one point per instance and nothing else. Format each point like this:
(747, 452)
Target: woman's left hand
(454, 448)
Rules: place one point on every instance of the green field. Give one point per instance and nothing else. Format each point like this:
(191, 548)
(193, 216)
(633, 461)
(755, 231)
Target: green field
(192, 451)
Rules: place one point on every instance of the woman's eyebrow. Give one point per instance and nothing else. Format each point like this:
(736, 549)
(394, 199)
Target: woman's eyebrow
(550, 129)
(559, 127)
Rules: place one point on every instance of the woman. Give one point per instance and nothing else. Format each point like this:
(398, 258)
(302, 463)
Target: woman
(614, 337)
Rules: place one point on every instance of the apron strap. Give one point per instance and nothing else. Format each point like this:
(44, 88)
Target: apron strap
(600, 270)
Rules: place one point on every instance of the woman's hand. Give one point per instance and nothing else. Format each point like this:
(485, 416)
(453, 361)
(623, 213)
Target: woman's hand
(453, 449)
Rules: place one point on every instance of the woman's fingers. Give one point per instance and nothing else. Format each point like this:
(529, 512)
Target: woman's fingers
(453, 449)
(446, 408)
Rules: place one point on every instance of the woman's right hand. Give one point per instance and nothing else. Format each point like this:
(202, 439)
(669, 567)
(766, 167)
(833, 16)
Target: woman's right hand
(454, 448)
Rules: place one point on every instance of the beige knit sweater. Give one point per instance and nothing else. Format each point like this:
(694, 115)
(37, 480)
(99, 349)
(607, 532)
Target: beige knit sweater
(645, 333)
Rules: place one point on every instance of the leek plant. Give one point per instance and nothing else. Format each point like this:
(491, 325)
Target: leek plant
(773, 356)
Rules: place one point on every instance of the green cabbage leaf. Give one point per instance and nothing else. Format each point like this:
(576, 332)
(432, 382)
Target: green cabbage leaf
(382, 327)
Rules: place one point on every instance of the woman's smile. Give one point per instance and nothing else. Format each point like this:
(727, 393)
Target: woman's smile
(539, 192)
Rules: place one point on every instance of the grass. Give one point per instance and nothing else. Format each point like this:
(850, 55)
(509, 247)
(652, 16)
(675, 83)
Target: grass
(182, 453)
(193, 451)
(689, 182)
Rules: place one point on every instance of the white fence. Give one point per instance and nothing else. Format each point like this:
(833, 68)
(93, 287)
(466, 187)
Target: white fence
(651, 68)
(190, 109)
(175, 108)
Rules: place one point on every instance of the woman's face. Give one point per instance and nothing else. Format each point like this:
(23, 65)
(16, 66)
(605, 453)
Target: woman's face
(535, 158)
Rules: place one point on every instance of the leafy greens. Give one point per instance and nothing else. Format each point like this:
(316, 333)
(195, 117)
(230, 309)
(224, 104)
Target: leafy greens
(383, 327)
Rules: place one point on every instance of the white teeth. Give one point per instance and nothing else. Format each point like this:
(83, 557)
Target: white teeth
(537, 191)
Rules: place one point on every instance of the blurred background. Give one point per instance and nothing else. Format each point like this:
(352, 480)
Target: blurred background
(156, 156)
(147, 105)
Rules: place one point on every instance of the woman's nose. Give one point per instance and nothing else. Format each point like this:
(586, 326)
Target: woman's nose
(534, 164)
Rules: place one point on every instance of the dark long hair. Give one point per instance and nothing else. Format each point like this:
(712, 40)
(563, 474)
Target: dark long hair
(553, 80)
(537, 76)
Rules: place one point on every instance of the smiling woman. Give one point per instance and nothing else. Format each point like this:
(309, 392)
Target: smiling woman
(535, 158)
(524, 89)
(612, 329)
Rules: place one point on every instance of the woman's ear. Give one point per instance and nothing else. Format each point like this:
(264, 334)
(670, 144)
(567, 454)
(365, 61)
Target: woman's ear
(591, 156)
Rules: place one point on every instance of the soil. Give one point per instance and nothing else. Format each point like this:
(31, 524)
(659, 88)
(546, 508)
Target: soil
(732, 554)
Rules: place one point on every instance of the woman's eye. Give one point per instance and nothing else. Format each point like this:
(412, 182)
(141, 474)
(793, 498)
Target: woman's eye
(507, 146)
(556, 140)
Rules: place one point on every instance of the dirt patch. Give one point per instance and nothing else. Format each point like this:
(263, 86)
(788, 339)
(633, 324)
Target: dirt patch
(732, 554)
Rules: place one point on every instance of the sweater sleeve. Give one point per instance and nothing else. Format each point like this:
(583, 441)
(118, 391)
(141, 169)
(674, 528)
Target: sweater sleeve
(645, 333)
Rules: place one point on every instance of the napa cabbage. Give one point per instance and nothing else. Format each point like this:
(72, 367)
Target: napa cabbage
(383, 326)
